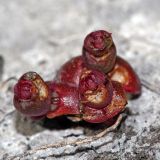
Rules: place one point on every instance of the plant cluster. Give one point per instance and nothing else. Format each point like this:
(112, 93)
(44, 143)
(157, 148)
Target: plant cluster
(91, 87)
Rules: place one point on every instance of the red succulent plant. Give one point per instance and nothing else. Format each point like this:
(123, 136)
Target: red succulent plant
(91, 87)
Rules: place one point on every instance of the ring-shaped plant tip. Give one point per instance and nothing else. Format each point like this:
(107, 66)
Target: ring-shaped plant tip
(95, 89)
(99, 51)
(31, 95)
(116, 106)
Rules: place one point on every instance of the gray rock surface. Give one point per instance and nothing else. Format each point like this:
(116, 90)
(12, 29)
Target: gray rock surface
(1, 66)
(40, 35)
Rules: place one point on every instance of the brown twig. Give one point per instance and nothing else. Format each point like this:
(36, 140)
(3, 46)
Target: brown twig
(77, 142)
(152, 87)
(4, 83)
(83, 140)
